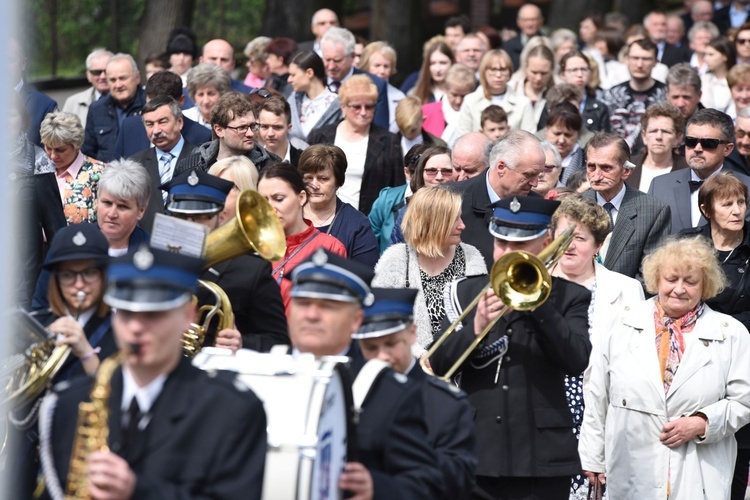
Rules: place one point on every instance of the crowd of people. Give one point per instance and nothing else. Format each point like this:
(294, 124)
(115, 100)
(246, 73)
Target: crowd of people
(396, 207)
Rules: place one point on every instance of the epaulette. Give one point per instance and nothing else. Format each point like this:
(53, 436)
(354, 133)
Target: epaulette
(444, 386)
(451, 303)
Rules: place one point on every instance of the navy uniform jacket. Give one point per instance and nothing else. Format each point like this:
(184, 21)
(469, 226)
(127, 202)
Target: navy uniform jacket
(524, 425)
(392, 440)
(255, 298)
(450, 427)
(102, 125)
(205, 438)
(132, 138)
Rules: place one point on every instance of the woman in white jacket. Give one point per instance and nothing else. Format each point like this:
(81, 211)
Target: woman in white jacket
(432, 257)
(669, 386)
(494, 75)
(609, 290)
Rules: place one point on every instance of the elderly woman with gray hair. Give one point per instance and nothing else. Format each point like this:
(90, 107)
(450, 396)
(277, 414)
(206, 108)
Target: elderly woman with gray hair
(206, 84)
(668, 385)
(77, 174)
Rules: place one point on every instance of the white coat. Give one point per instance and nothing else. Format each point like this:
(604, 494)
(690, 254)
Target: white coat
(613, 290)
(518, 106)
(626, 408)
(391, 272)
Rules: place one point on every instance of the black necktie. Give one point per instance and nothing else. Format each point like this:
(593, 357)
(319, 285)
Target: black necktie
(335, 86)
(609, 207)
(130, 432)
(695, 185)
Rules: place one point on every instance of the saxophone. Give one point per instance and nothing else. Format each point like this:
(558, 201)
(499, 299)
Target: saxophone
(93, 430)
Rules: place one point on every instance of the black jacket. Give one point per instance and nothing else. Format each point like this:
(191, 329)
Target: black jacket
(205, 437)
(383, 164)
(524, 425)
(102, 125)
(206, 155)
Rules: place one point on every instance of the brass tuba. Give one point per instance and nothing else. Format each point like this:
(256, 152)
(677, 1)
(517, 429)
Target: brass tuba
(92, 432)
(521, 280)
(256, 228)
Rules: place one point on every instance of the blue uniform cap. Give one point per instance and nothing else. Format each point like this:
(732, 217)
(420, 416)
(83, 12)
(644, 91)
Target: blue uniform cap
(151, 280)
(196, 192)
(328, 276)
(78, 242)
(392, 311)
(521, 218)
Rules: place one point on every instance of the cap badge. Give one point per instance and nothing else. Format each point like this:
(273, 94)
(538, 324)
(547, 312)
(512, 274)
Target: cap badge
(143, 259)
(320, 258)
(515, 205)
(369, 300)
(193, 179)
(79, 239)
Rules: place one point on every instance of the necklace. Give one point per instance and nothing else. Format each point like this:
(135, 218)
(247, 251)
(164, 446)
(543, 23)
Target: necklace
(322, 221)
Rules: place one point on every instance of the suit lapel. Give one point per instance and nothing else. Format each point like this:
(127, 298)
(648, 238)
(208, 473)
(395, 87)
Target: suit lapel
(623, 230)
(682, 199)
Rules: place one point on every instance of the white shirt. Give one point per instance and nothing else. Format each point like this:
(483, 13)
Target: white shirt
(195, 114)
(146, 395)
(616, 202)
(355, 152)
(648, 174)
(451, 117)
(175, 152)
(407, 144)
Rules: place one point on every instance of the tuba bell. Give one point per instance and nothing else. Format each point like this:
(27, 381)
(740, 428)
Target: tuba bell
(255, 228)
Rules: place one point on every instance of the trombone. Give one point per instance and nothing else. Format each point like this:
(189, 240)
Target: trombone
(521, 280)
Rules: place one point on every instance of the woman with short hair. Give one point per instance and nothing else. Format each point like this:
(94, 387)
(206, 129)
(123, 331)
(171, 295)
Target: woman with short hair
(577, 68)
(77, 174)
(668, 385)
(323, 168)
(372, 153)
(206, 84)
(380, 59)
(563, 129)
(432, 257)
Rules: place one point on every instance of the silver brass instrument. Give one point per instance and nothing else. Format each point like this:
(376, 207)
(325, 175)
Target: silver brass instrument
(254, 228)
(521, 280)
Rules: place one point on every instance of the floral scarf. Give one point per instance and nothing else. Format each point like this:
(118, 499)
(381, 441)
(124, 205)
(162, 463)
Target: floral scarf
(670, 344)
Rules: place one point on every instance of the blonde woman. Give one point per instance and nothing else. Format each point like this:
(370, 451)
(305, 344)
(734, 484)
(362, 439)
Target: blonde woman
(241, 171)
(431, 258)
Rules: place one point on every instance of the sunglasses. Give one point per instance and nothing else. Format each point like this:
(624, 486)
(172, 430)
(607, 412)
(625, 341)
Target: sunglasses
(96, 72)
(742, 41)
(706, 143)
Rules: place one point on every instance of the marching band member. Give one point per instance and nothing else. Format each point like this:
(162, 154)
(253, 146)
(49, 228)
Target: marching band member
(254, 294)
(173, 430)
(387, 333)
(395, 459)
(515, 378)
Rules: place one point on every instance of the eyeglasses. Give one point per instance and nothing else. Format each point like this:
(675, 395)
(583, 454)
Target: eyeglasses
(575, 71)
(706, 143)
(742, 41)
(432, 172)
(360, 107)
(242, 129)
(499, 71)
(88, 275)
(96, 72)
(740, 134)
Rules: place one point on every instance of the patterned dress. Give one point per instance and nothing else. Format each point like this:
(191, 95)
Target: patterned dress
(79, 196)
(433, 287)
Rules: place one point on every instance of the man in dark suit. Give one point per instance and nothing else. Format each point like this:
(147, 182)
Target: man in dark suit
(733, 15)
(515, 378)
(387, 333)
(656, 26)
(132, 137)
(640, 221)
(515, 164)
(321, 21)
(246, 279)
(125, 98)
(275, 119)
(163, 122)
(337, 46)
(708, 142)
(37, 104)
(394, 459)
(530, 21)
(172, 428)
